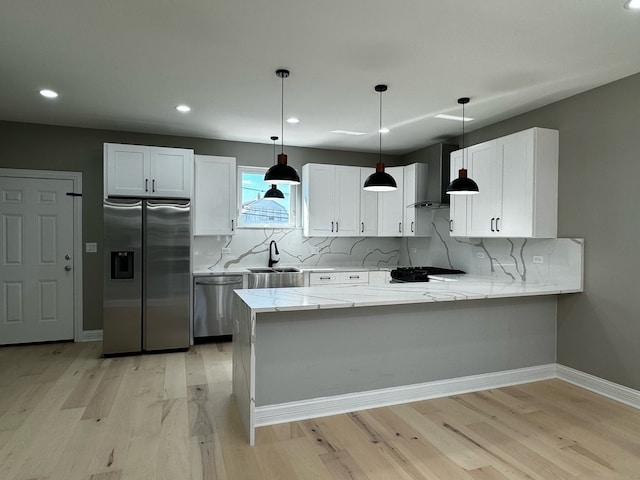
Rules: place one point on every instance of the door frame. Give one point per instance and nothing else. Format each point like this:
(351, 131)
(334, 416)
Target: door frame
(76, 178)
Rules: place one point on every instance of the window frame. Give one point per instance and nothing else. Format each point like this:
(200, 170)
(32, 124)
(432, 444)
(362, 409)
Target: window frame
(293, 202)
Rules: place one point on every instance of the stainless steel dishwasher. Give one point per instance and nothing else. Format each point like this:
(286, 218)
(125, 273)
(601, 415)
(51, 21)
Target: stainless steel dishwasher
(213, 305)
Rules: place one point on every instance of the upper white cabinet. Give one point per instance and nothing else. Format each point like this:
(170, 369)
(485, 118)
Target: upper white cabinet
(417, 221)
(143, 171)
(335, 204)
(391, 206)
(331, 200)
(397, 215)
(368, 206)
(214, 204)
(517, 176)
(458, 203)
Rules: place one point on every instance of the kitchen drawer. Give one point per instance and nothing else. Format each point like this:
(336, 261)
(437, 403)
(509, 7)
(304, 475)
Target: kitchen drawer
(338, 278)
(323, 278)
(354, 277)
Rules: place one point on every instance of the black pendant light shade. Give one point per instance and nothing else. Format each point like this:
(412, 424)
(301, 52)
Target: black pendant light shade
(281, 173)
(462, 185)
(273, 193)
(380, 181)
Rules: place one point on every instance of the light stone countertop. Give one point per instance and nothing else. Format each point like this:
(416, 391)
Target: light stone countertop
(467, 287)
(242, 270)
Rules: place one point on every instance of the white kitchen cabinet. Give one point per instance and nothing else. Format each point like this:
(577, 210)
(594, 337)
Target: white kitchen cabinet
(458, 203)
(397, 216)
(391, 206)
(214, 203)
(339, 278)
(417, 222)
(331, 200)
(483, 168)
(368, 206)
(143, 171)
(517, 176)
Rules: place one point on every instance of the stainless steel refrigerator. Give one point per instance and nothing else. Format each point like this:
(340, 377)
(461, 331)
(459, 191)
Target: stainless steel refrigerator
(146, 275)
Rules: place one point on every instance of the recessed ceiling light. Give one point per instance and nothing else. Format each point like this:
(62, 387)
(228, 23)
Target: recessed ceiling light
(632, 5)
(384, 130)
(347, 132)
(454, 117)
(183, 108)
(48, 93)
(293, 120)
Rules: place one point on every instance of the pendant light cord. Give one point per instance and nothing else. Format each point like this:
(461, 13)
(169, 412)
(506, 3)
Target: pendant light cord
(463, 155)
(282, 113)
(380, 130)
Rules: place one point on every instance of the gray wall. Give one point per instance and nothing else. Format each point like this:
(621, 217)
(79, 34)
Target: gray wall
(598, 330)
(44, 147)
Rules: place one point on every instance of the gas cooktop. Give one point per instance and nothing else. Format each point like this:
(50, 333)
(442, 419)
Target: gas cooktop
(420, 274)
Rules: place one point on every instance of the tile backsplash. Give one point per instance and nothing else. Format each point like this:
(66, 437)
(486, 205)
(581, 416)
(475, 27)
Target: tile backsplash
(250, 247)
(519, 259)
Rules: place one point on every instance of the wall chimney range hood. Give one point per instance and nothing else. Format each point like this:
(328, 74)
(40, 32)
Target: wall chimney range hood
(437, 158)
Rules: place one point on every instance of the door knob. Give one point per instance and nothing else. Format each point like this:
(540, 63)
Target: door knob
(67, 268)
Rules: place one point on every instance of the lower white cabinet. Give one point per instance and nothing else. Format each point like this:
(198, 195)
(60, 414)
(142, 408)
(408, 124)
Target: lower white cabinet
(338, 278)
(214, 203)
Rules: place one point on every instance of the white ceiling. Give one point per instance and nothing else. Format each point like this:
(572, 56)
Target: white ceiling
(125, 64)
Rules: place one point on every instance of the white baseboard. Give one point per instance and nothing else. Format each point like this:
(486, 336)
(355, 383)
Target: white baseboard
(90, 336)
(600, 386)
(351, 402)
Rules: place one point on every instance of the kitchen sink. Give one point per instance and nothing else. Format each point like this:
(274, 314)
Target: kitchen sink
(275, 277)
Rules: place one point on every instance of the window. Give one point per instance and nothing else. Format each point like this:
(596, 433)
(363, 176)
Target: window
(258, 212)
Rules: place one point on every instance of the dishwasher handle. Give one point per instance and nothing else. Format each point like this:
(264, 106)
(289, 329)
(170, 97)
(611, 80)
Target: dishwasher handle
(219, 280)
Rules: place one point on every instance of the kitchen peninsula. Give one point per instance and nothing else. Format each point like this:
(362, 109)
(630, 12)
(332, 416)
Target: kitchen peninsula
(313, 351)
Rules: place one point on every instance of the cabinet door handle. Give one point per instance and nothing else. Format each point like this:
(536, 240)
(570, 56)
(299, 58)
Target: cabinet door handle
(497, 220)
(492, 222)
(153, 186)
(362, 231)
(336, 227)
(400, 227)
(451, 225)
(146, 184)
(411, 227)
(232, 226)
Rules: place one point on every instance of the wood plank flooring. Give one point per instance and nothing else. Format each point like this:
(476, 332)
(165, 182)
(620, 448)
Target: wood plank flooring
(66, 413)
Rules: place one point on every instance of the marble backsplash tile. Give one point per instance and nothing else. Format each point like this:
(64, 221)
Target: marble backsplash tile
(250, 247)
(500, 258)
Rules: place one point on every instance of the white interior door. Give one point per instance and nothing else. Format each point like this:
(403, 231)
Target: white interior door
(36, 253)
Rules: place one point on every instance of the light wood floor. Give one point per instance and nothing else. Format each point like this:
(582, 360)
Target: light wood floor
(66, 413)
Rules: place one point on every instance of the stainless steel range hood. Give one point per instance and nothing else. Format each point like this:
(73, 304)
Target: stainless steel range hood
(437, 157)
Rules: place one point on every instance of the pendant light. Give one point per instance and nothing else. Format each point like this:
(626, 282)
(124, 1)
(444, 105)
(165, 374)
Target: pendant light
(380, 181)
(281, 173)
(273, 193)
(462, 185)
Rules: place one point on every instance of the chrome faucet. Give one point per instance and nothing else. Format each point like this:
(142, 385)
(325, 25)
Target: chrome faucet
(273, 252)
